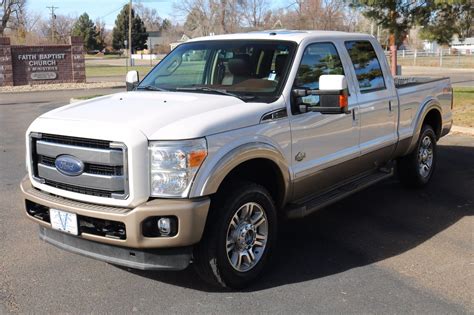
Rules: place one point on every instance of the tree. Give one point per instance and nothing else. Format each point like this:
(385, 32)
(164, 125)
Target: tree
(449, 18)
(150, 17)
(397, 16)
(166, 25)
(254, 12)
(102, 34)
(85, 28)
(10, 10)
(120, 31)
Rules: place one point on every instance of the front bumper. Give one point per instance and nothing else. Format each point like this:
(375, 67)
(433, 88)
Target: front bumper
(191, 215)
(145, 259)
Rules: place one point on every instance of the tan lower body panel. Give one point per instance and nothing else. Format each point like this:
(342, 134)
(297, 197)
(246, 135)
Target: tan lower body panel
(191, 214)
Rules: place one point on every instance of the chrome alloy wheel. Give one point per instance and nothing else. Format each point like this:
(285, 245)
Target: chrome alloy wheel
(425, 157)
(247, 236)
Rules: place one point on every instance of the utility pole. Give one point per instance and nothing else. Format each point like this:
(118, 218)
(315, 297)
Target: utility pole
(130, 31)
(53, 17)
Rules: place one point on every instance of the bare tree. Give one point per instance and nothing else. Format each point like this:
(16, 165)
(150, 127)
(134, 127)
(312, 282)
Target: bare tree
(10, 10)
(62, 28)
(204, 17)
(255, 12)
(150, 17)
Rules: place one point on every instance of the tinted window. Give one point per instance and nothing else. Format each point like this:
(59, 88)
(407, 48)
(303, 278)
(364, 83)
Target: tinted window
(366, 66)
(318, 59)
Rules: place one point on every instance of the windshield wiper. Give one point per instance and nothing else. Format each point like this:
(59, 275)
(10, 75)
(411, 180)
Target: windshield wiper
(152, 88)
(217, 91)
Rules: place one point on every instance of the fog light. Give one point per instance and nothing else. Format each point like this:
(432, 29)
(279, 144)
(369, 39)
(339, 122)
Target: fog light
(160, 226)
(164, 226)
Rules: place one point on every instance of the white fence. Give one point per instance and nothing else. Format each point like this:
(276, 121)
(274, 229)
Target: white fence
(441, 57)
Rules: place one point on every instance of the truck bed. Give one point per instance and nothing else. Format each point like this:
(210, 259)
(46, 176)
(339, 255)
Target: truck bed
(407, 81)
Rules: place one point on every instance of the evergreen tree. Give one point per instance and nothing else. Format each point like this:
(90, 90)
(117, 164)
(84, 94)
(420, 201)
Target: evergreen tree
(120, 31)
(449, 18)
(85, 28)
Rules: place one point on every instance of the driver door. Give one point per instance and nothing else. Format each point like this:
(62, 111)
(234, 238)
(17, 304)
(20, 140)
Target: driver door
(325, 147)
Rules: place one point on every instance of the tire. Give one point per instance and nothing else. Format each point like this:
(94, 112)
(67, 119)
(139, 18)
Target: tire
(416, 169)
(230, 234)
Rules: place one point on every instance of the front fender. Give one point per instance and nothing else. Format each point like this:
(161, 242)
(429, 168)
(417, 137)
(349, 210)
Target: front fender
(209, 178)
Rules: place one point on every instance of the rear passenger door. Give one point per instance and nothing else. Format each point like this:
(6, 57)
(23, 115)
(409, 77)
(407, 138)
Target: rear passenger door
(378, 104)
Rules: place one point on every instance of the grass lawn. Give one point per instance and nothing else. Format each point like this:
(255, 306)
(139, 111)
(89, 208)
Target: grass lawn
(464, 106)
(112, 71)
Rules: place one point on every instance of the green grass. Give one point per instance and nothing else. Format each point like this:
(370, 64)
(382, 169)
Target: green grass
(112, 71)
(464, 107)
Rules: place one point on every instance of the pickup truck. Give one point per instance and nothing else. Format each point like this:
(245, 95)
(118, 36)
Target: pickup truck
(224, 139)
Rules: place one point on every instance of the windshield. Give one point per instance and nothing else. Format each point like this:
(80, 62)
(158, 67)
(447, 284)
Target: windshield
(238, 68)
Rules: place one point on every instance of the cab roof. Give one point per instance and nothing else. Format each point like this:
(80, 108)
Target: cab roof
(289, 35)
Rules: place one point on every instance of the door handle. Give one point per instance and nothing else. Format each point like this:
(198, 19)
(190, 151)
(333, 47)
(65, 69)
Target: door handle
(390, 105)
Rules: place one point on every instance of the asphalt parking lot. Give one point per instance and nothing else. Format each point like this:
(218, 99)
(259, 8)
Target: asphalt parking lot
(383, 250)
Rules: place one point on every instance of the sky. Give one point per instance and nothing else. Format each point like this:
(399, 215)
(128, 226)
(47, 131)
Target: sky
(108, 9)
(104, 9)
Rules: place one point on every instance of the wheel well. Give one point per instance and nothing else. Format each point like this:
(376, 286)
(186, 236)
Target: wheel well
(263, 172)
(433, 118)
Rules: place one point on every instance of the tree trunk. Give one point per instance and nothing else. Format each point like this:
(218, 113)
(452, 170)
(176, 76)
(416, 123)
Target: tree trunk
(393, 43)
(223, 15)
(393, 54)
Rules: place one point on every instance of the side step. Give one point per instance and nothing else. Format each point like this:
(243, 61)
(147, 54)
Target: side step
(300, 210)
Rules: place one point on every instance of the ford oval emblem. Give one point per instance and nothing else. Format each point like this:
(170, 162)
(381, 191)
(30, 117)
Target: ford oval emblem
(69, 165)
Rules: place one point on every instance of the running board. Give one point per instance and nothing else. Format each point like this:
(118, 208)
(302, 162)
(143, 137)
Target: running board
(301, 210)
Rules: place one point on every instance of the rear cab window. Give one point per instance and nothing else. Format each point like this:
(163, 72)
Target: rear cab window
(366, 66)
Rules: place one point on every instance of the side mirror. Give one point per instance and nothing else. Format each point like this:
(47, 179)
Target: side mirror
(132, 80)
(333, 95)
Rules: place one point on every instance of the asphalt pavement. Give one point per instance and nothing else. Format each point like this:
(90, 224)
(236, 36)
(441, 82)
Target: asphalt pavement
(383, 250)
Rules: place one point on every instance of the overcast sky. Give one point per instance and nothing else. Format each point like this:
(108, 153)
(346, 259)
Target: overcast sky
(108, 9)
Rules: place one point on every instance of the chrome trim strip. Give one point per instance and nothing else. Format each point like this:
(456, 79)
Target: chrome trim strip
(86, 155)
(109, 183)
(126, 184)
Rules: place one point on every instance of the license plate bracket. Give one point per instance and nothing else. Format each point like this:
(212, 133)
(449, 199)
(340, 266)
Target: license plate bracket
(64, 221)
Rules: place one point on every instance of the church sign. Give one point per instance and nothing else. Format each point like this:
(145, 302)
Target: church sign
(21, 65)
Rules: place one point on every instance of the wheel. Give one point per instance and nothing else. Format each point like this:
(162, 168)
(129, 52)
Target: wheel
(416, 169)
(239, 238)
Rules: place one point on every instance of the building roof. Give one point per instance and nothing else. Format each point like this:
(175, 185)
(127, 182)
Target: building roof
(466, 41)
(289, 35)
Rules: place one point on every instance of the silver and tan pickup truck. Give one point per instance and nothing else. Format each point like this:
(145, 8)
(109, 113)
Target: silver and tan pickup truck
(227, 136)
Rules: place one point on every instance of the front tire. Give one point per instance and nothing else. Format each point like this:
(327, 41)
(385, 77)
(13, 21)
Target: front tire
(416, 169)
(239, 238)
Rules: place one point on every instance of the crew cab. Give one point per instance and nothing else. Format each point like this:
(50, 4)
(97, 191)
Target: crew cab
(227, 136)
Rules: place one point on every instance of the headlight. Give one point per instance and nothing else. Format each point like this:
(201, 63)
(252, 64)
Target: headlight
(173, 165)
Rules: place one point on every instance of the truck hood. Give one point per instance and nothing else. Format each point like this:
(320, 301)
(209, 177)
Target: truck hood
(165, 115)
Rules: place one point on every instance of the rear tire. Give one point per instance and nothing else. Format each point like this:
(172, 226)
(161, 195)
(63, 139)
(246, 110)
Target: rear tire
(239, 238)
(416, 169)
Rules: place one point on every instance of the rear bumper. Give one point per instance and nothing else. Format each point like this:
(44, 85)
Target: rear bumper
(191, 215)
(146, 259)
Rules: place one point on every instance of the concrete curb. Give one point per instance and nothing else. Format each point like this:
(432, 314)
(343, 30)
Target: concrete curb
(465, 130)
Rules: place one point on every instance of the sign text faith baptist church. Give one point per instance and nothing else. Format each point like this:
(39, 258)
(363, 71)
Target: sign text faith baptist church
(20, 65)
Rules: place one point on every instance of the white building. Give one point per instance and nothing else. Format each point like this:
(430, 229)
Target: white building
(464, 47)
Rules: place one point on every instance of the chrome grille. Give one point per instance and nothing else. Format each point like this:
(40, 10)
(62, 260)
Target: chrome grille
(105, 165)
(75, 141)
